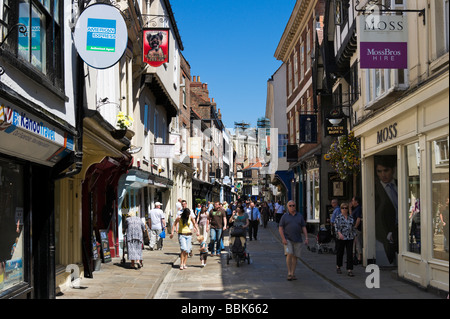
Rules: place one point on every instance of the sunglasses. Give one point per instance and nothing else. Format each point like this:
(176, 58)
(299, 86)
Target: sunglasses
(291, 205)
(346, 207)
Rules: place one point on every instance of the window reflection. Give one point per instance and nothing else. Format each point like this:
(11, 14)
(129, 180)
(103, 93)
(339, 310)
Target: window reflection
(35, 28)
(11, 224)
(440, 197)
(413, 164)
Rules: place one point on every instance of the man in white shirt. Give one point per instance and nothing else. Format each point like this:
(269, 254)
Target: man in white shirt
(156, 222)
(253, 216)
(279, 211)
(178, 205)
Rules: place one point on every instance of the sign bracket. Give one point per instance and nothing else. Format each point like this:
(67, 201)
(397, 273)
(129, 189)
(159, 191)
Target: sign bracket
(364, 10)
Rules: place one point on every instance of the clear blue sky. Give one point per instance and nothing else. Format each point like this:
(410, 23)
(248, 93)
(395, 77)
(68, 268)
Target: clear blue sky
(231, 46)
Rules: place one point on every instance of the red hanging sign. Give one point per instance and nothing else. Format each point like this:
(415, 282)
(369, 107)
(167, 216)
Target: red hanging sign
(156, 46)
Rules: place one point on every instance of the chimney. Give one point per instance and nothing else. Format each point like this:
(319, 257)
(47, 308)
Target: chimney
(194, 79)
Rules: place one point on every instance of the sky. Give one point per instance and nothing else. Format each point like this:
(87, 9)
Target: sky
(231, 46)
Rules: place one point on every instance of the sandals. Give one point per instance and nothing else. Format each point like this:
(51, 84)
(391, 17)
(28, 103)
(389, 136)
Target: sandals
(291, 277)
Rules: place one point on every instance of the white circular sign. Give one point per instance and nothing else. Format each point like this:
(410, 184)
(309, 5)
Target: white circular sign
(101, 36)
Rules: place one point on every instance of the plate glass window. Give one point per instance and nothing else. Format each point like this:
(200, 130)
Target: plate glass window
(11, 225)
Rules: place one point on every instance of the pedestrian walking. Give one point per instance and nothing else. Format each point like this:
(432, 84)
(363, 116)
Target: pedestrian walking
(135, 238)
(197, 210)
(157, 223)
(270, 204)
(345, 235)
(183, 222)
(203, 222)
(279, 211)
(254, 216)
(356, 212)
(203, 249)
(265, 212)
(291, 227)
(191, 225)
(336, 211)
(217, 224)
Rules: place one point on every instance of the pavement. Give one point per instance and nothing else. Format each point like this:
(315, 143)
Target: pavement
(116, 280)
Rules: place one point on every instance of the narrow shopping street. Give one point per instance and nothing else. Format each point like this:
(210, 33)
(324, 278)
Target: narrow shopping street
(263, 278)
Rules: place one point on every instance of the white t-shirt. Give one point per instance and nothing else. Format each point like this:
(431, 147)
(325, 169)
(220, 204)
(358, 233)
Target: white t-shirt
(156, 216)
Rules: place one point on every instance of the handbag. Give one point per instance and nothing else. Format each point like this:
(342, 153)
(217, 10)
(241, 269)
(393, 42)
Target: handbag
(162, 234)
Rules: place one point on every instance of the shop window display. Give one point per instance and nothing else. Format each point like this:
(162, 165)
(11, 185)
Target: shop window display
(413, 175)
(440, 197)
(11, 225)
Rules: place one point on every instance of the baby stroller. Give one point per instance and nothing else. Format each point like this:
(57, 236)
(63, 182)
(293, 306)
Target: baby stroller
(238, 246)
(323, 240)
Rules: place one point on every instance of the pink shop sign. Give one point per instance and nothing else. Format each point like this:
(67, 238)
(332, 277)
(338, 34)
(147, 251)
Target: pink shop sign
(383, 55)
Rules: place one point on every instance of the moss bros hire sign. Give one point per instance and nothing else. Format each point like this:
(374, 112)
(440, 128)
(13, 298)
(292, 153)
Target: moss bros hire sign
(101, 35)
(383, 42)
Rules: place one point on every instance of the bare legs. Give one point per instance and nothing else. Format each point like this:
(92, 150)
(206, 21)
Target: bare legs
(291, 262)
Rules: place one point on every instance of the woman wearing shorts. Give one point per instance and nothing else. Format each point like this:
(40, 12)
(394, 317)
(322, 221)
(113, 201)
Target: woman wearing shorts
(184, 234)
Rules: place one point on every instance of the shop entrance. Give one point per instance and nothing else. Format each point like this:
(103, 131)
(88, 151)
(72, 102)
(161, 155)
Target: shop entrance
(386, 207)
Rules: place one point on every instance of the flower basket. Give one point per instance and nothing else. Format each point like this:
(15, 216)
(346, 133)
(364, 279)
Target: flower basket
(124, 121)
(344, 156)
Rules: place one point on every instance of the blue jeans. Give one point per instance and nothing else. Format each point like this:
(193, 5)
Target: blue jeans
(215, 236)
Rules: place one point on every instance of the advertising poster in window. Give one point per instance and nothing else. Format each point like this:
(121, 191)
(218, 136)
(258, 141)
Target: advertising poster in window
(156, 46)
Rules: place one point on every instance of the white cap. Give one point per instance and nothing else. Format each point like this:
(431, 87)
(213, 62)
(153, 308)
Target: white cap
(158, 204)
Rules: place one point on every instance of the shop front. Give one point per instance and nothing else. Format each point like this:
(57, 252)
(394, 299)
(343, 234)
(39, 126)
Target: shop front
(30, 146)
(405, 186)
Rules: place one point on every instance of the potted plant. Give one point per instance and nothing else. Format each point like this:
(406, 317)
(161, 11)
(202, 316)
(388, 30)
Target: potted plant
(123, 124)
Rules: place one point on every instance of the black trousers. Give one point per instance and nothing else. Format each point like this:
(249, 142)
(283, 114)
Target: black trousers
(342, 245)
(253, 229)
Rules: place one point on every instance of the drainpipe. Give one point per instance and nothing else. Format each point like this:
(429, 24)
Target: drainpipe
(79, 116)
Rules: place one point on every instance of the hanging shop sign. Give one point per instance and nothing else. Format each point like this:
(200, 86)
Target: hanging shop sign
(292, 153)
(27, 136)
(101, 35)
(156, 46)
(336, 124)
(383, 42)
(163, 150)
(195, 150)
(308, 129)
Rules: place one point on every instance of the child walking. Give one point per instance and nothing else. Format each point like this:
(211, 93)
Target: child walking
(203, 249)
